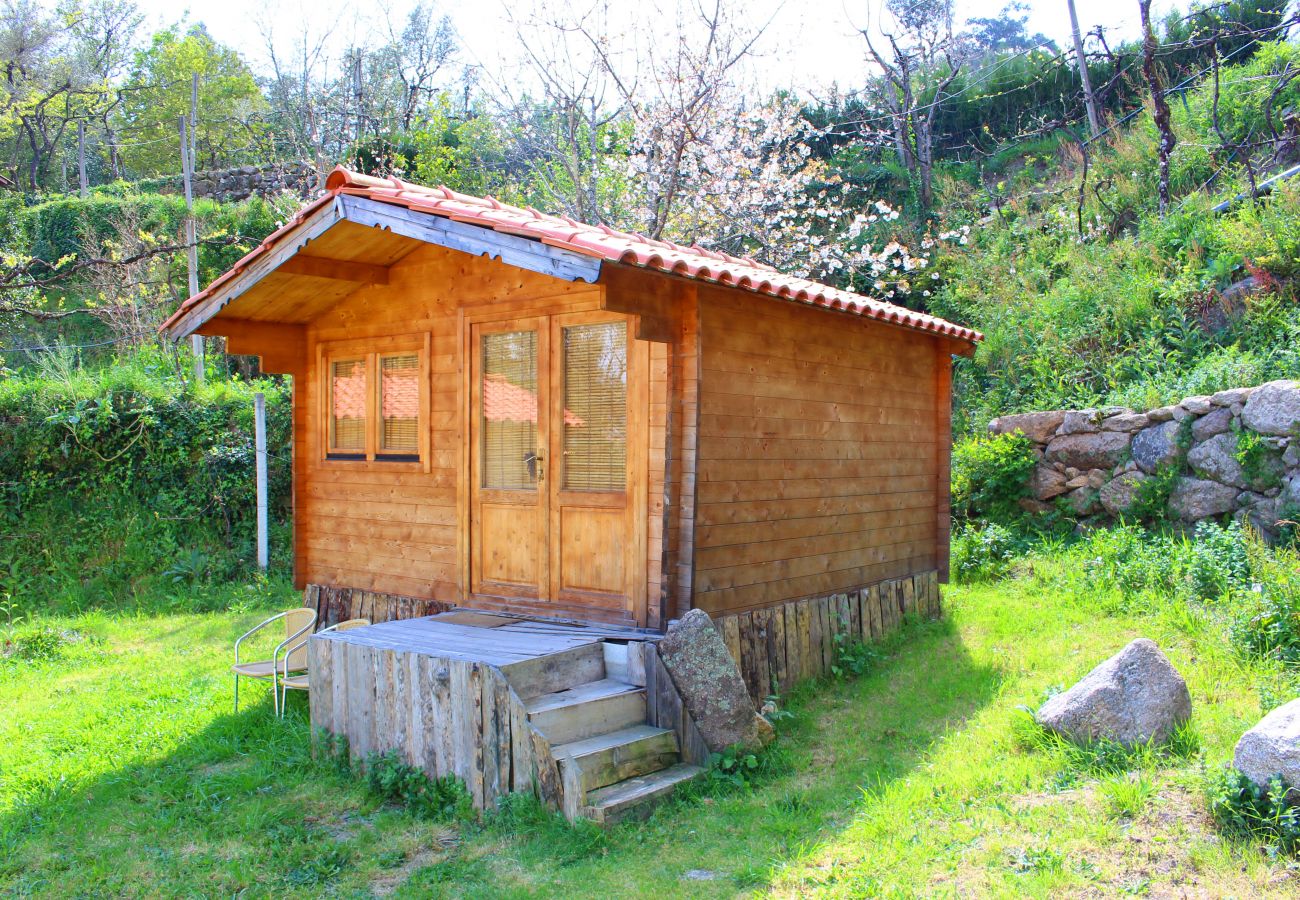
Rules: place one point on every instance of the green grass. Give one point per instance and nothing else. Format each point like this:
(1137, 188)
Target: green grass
(123, 772)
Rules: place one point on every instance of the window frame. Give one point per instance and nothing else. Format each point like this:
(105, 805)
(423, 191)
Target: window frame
(371, 351)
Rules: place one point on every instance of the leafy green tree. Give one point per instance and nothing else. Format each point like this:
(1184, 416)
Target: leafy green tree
(157, 93)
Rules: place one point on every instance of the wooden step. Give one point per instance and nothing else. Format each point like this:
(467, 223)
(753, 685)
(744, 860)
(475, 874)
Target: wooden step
(636, 797)
(587, 710)
(596, 762)
(556, 671)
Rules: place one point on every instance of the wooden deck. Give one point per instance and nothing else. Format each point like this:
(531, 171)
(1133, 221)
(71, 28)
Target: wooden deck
(494, 639)
(511, 703)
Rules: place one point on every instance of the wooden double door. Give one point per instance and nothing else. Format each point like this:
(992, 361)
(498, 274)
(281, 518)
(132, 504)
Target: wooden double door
(557, 445)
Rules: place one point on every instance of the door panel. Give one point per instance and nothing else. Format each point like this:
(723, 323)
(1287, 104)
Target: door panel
(591, 559)
(590, 511)
(508, 512)
(555, 464)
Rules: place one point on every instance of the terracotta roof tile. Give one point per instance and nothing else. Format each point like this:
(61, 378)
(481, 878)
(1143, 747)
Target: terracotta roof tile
(602, 242)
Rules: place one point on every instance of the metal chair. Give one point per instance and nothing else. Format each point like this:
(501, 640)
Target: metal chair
(298, 624)
(301, 681)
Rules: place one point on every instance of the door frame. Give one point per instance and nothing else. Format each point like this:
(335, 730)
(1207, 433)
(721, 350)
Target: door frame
(638, 413)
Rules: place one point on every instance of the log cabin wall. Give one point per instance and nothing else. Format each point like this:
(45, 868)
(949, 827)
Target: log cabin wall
(821, 464)
(396, 527)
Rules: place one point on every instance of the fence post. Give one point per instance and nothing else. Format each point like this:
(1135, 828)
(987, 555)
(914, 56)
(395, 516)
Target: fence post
(259, 444)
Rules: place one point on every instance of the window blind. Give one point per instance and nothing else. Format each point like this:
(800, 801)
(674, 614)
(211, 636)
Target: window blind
(595, 407)
(348, 405)
(509, 410)
(399, 401)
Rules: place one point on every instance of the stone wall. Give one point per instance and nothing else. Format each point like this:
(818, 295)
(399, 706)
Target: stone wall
(242, 182)
(1234, 453)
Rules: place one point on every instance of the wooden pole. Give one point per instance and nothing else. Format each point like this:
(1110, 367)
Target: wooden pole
(191, 242)
(259, 445)
(1090, 101)
(81, 160)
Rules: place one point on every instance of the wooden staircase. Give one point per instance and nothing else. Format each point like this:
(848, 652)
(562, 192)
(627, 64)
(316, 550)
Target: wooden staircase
(613, 765)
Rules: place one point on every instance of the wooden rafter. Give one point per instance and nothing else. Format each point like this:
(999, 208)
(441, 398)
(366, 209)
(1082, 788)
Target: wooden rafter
(336, 269)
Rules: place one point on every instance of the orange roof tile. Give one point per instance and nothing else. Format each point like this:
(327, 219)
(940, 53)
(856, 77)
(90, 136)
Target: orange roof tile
(600, 242)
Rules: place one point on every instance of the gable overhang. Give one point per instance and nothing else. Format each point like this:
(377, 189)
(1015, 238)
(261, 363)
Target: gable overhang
(324, 254)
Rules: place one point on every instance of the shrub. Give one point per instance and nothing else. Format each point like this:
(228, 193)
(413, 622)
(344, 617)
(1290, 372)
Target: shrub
(1267, 610)
(853, 657)
(112, 478)
(392, 779)
(982, 554)
(1218, 561)
(990, 475)
(1243, 809)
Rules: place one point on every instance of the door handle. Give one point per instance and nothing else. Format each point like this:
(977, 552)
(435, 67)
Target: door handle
(541, 467)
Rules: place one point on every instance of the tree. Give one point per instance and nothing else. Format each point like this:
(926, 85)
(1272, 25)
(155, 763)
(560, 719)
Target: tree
(1159, 105)
(157, 93)
(922, 56)
(1006, 32)
(59, 68)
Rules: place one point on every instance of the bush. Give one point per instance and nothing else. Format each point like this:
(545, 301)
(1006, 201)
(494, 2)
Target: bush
(982, 554)
(1243, 809)
(990, 475)
(110, 478)
(1218, 561)
(392, 779)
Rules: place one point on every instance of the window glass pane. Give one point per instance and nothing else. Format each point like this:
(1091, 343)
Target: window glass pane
(399, 400)
(509, 410)
(348, 405)
(595, 407)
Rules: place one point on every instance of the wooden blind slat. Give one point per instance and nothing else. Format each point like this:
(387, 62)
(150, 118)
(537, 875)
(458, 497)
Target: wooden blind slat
(399, 386)
(595, 407)
(348, 404)
(509, 410)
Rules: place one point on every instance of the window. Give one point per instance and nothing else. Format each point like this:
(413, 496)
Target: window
(595, 407)
(374, 402)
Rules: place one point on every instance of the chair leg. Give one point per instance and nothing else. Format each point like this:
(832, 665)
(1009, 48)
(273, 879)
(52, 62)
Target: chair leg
(236, 692)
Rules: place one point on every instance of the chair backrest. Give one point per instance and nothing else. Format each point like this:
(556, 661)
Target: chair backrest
(349, 625)
(294, 621)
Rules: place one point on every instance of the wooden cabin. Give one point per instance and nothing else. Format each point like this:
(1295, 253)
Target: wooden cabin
(519, 413)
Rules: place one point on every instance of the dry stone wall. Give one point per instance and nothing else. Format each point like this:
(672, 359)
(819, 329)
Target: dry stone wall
(242, 182)
(1234, 453)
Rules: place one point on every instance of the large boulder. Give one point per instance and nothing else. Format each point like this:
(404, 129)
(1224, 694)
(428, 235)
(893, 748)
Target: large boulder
(1039, 427)
(1217, 421)
(1156, 446)
(1272, 748)
(1098, 450)
(1081, 421)
(710, 684)
(1232, 396)
(1125, 421)
(1273, 408)
(1194, 499)
(1216, 459)
(1133, 698)
(1047, 483)
(1119, 494)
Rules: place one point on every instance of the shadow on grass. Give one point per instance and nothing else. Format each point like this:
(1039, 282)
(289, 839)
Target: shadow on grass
(847, 737)
(240, 805)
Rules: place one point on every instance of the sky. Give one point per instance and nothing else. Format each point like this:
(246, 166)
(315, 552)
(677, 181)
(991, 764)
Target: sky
(809, 45)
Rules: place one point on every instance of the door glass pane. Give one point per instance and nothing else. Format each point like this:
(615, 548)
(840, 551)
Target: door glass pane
(509, 413)
(399, 400)
(348, 404)
(595, 407)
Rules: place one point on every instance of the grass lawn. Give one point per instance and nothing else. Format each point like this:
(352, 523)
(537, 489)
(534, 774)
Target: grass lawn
(124, 772)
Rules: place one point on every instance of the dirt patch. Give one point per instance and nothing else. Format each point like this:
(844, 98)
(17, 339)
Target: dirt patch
(1157, 856)
(440, 843)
